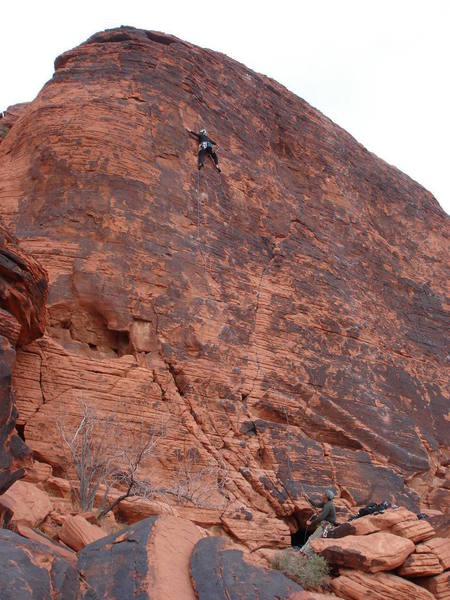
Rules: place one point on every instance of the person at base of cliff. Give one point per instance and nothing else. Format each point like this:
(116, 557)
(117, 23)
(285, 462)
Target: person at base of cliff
(327, 515)
(205, 147)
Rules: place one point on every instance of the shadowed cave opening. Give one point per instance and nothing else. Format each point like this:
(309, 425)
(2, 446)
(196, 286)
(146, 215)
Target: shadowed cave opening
(21, 431)
(300, 536)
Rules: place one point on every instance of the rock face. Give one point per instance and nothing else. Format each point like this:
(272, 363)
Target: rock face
(23, 293)
(286, 317)
(223, 574)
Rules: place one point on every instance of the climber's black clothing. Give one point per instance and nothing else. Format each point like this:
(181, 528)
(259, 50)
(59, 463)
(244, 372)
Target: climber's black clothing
(202, 137)
(201, 156)
(205, 147)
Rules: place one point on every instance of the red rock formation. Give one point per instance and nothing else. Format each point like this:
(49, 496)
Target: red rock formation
(287, 316)
(439, 585)
(355, 585)
(23, 292)
(29, 505)
(420, 565)
(76, 532)
(440, 547)
(379, 551)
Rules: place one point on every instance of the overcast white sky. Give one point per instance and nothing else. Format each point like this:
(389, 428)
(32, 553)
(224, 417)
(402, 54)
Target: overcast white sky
(378, 68)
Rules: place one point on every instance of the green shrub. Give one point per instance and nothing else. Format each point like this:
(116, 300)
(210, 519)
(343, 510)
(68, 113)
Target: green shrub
(308, 571)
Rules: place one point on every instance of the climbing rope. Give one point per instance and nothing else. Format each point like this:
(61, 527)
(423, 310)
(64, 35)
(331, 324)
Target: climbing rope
(199, 244)
(198, 206)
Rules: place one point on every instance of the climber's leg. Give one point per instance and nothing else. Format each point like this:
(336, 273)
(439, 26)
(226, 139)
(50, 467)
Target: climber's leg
(215, 159)
(201, 158)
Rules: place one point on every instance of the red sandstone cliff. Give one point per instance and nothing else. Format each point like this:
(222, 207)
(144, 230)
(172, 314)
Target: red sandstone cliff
(287, 317)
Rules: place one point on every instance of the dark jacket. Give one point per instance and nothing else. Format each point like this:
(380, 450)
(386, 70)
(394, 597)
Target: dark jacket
(328, 513)
(201, 137)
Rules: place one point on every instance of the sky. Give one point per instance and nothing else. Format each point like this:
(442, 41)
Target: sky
(378, 68)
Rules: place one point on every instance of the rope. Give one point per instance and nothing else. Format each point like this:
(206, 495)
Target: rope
(199, 214)
(198, 206)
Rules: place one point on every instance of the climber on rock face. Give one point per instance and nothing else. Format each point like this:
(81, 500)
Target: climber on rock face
(205, 147)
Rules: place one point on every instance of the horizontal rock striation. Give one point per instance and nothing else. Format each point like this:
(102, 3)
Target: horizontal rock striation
(286, 318)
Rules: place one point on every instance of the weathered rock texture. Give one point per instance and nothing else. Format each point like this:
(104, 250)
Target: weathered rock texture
(29, 570)
(355, 585)
(287, 317)
(379, 551)
(23, 293)
(223, 574)
(147, 560)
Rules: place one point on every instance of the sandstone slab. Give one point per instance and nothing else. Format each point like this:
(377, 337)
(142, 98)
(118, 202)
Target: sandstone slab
(28, 503)
(256, 530)
(356, 585)
(149, 560)
(373, 523)
(58, 549)
(77, 532)
(439, 585)
(379, 551)
(420, 565)
(415, 530)
(30, 570)
(223, 574)
(440, 547)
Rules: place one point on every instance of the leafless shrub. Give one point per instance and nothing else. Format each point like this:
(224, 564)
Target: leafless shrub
(197, 484)
(101, 455)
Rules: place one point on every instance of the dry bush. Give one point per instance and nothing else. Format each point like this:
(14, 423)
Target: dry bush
(196, 484)
(309, 571)
(101, 455)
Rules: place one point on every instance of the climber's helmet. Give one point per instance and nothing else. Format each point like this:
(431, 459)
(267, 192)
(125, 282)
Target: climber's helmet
(202, 131)
(329, 494)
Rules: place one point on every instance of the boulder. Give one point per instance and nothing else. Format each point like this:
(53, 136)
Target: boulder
(381, 551)
(438, 585)
(149, 560)
(134, 509)
(414, 530)
(29, 504)
(373, 523)
(256, 530)
(420, 565)
(77, 532)
(222, 573)
(440, 547)
(31, 571)
(55, 548)
(356, 585)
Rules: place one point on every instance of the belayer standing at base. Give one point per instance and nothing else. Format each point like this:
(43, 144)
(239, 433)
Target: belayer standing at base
(205, 146)
(327, 515)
